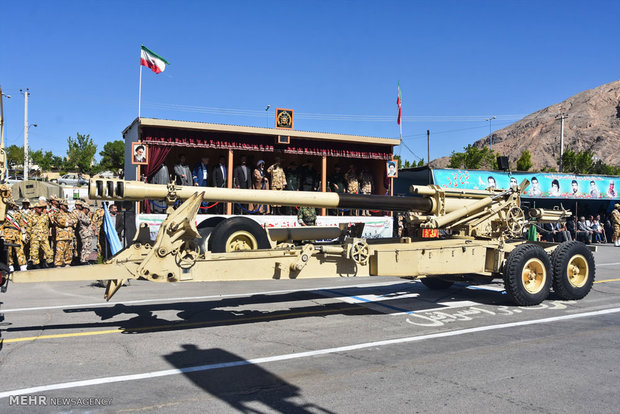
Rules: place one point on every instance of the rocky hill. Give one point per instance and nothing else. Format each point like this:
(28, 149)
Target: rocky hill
(593, 123)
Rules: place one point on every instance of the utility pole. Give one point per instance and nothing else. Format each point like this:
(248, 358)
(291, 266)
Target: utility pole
(26, 93)
(562, 117)
(490, 120)
(428, 153)
(2, 95)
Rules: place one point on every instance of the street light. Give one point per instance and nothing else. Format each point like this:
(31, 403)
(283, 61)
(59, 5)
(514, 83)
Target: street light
(267, 112)
(490, 119)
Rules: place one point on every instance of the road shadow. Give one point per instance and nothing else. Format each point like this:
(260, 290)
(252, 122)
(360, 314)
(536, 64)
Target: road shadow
(349, 301)
(244, 386)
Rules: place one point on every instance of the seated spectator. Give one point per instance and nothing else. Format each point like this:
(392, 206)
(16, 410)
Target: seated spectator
(571, 226)
(584, 232)
(597, 231)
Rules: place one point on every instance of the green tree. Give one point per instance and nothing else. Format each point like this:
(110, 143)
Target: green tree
(473, 158)
(421, 162)
(14, 155)
(524, 163)
(81, 153)
(578, 162)
(46, 160)
(113, 155)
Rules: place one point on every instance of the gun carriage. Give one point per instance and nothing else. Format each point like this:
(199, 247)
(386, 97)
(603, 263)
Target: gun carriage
(452, 234)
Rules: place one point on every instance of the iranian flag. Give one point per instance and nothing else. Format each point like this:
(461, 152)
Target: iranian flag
(152, 60)
(399, 102)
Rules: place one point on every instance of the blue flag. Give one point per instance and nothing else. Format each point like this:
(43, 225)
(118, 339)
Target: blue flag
(110, 232)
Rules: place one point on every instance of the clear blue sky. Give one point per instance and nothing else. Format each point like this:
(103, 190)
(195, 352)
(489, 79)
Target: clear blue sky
(453, 59)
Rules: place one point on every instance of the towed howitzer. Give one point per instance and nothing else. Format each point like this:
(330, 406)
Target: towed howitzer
(480, 235)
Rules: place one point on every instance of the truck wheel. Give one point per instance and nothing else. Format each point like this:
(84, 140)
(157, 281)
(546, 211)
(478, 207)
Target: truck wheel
(573, 270)
(436, 283)
(236, 234)
(527, 275)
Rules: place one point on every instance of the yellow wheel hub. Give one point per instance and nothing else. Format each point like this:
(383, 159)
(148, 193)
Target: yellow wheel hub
(577, 271)
(534, 275)
(241, 240)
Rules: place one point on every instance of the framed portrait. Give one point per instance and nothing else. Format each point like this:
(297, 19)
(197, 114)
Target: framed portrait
(392, 168)
(139, 153)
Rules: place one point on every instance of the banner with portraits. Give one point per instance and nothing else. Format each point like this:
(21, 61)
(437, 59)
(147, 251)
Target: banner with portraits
(542, 184)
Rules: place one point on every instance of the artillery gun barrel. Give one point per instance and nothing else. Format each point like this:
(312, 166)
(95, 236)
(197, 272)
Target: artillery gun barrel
(107, 189)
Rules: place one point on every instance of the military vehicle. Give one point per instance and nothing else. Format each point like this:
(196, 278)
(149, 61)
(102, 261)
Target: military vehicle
(452, 235)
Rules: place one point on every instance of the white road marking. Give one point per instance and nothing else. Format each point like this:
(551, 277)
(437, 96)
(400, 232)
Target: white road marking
(298, 355)
(607, 264)
(189, 298)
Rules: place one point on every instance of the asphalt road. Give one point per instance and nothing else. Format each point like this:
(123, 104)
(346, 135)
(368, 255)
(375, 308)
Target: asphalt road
(309, 346)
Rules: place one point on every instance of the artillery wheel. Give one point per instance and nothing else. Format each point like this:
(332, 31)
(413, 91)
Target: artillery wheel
(236, 234)
(527, 275)
(573, 270)
(436, 283)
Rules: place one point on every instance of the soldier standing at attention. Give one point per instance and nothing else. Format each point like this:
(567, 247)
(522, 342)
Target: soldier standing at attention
(27, 212)
(51, 213)
(64, 230)
(39, 227)
(85, 231)
(12, 231)
(260, 182)
(306, 216)
(366, 187)
(292, 183)
(615, 222)
(337, 185)
(278, 182)
(97, 223)
(353, 186)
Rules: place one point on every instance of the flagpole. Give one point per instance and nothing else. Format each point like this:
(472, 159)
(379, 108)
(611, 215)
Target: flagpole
(140, 92)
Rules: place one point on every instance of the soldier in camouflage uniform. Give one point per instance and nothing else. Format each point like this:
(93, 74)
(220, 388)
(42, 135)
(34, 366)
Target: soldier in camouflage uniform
(278, 182)
(292, 183)
(366, 186)
(85, 230)
(74, 238)
(64, 229)
(27, 212)
(52, 209)
(97, 223)
(306, 216)
(615, 222)
(13, 232)
(39, 229)
(353, 185)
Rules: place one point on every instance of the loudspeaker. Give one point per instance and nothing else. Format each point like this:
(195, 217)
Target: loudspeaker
(502, 163)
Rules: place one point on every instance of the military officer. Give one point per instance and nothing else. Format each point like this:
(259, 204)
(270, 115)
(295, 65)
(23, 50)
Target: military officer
(352, 183)
(13, 232)
(337, 185)
(278, 182)
(365, 185)
(306, 216)
(39, 229)
(292, 183)
(85, 230)
(64, 229)
(615, 222)
(97, 224)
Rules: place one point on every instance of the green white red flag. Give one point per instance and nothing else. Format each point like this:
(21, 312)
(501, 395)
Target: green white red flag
(399, 102)
(152, 60)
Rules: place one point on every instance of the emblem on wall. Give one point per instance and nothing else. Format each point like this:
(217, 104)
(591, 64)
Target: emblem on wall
(284, 118)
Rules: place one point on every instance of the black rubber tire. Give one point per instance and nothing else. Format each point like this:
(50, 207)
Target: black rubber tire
(513, 275)
(560, 258)
(436, 283)
(221, 233)
(210, 222)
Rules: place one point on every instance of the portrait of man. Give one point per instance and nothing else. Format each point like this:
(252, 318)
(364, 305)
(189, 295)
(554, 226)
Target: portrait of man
(513, 182)
(140, 154)
(594, 191)
(535, 188)
(574, 187)
(555, 189)
(392, 168)
(611, 190)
